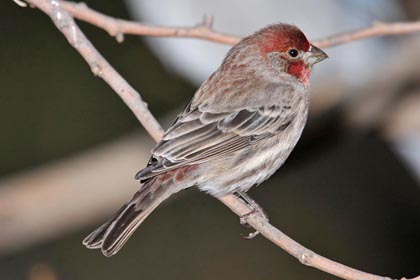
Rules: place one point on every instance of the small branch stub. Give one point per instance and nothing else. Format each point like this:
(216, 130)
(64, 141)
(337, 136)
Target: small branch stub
(207, 22)
(119, 37)
(304, 257)
(96, 70)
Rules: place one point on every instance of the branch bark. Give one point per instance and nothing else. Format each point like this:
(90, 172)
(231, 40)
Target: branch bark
(60, 13)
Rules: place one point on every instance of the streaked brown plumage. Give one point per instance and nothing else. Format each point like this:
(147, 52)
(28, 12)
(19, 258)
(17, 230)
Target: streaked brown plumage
(238, 129)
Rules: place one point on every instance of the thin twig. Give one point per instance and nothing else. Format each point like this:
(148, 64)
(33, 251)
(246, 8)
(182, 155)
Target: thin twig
(100, 67)
(117, 27)
(376, 30)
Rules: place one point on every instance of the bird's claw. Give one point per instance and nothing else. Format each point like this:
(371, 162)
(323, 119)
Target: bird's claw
(251, 235)
(21, 3)
(244, 224)
(256, 210)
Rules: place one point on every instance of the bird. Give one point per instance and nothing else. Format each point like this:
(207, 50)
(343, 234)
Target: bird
(237, 130)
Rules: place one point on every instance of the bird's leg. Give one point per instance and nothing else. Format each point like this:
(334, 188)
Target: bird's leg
(256, 209)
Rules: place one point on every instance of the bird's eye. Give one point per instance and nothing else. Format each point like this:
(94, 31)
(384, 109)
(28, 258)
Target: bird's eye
(293, 52)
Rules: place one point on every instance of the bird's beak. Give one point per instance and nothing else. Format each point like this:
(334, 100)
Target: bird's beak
(315, 55)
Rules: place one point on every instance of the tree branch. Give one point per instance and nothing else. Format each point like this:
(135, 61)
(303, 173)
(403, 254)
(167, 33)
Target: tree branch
(59, 12)
(304, 255)
(118, 27)
(99, 66)
(376, 30)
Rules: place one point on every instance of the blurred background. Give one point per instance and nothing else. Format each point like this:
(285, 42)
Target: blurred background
(70, 148)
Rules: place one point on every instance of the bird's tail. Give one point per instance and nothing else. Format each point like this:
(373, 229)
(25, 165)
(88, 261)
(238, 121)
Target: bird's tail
(111, 236)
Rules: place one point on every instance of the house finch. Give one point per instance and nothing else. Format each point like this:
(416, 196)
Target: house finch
(237, 130)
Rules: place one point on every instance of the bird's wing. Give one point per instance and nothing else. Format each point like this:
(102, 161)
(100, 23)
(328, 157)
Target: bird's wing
(198, 135)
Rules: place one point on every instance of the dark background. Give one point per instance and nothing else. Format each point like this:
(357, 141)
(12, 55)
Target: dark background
(343, 194)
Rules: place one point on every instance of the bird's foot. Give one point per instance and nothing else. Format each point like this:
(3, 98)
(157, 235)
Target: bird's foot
(256, 210)
(244, 224)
